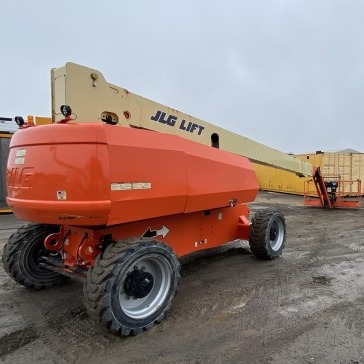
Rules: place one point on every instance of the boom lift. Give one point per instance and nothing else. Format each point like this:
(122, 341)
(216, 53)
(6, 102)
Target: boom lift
(332, 191)
(117, 206)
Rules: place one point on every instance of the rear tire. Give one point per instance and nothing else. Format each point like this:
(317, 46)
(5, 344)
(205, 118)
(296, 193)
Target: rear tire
(22, 254)
(132, 284)
(267, 234)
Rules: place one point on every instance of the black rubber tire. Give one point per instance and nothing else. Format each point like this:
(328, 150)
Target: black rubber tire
(104, 288)
(267, 234)
(20, 257)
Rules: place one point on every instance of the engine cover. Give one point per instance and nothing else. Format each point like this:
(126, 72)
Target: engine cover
(94, 174)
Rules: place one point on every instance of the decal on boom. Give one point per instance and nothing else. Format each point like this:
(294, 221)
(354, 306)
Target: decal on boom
(171, 120)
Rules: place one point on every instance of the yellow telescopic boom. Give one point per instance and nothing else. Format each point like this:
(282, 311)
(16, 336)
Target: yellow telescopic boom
(92, 99)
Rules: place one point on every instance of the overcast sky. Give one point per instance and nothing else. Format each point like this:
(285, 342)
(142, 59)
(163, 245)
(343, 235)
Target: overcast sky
(286, 73)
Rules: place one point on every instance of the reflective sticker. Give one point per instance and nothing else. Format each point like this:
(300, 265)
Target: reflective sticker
(142, 185)
(21, 153)
(61, 195)
(19, 160)
(123, 186)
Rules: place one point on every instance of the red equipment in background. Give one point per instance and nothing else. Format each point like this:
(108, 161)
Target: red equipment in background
(331, 191)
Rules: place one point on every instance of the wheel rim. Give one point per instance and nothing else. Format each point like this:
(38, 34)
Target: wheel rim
(144, 286)
(276, 234)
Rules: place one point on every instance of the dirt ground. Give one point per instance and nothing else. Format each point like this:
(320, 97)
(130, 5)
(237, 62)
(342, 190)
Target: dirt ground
(305, 307)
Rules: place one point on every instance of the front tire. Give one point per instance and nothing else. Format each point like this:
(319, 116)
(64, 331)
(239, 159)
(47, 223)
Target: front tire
(132, 284)
(22, 254)
(267, 235)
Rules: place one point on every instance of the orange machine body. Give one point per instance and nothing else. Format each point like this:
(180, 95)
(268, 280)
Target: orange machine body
(96, 180)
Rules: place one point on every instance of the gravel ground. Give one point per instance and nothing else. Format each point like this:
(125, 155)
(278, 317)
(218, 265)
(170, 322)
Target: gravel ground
(305, 307)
